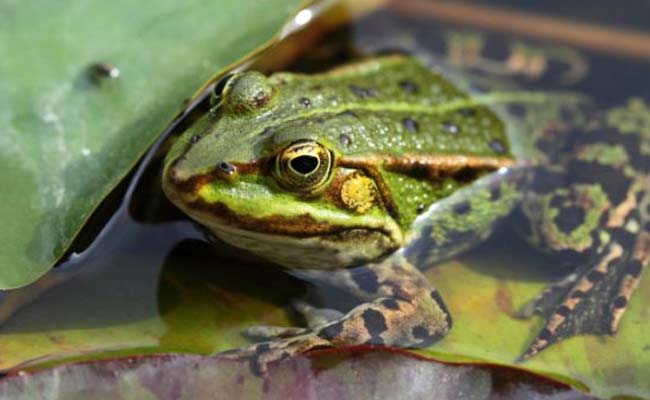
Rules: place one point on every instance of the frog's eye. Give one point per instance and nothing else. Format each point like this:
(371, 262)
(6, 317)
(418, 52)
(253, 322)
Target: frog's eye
(217, 91)
(303, 166)
(247, 92)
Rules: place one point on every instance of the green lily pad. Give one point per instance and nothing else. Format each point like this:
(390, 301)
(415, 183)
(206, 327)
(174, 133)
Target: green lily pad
(66, 140)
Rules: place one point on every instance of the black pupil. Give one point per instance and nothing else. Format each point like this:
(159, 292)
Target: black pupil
(304, 164)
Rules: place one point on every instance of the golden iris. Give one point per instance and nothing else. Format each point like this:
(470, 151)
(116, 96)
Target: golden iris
(303, 166)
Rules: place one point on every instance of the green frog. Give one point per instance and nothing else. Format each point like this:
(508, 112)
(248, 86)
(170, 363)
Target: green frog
(364, 175)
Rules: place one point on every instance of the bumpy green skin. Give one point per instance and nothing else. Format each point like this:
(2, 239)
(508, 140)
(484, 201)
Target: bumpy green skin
(387, 207)
(392, 107)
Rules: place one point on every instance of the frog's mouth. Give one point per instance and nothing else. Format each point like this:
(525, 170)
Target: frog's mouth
(299, 242)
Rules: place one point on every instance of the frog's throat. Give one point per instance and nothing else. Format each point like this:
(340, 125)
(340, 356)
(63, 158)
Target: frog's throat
(298, 242)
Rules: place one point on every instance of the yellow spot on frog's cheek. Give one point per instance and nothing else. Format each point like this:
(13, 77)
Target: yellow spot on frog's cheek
(358, 193)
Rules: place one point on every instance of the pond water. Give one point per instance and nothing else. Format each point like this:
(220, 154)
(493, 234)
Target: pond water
(152, 281)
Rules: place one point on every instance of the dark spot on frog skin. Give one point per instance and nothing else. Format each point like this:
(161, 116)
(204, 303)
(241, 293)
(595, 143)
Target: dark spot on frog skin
(595, 239)
(546, 181)
(366, 280)
(438, 299)
(375, 323)
(563, 311)
(497, 146)
(420, 332)
(634, 268)
(462, 208)
(640, 196)
(421, 207)
(410, 124)
(612, 180)
(558, 201)
(595, 276)
(545, 335)
(262, 348)
(363, 92)
(408, 86)
(450, 127)
(254, 362)
(331, 331)
(569, 218)
(620, 302)
(495, 193)
(226, 168)
(195, 138)
(101, 71)
(623, 237)
(467, 112)
(577, 294)
(304, 101)
(390, 304)
(603, 219)
(345, 140)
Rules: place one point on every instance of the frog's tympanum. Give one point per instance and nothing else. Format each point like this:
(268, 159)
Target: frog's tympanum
(364, 175)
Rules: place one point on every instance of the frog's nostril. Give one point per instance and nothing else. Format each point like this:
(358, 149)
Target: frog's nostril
(226, 167)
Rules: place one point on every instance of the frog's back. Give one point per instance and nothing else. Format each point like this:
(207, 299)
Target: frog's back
(394, 105)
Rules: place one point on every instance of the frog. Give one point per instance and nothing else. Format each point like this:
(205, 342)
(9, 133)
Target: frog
(364, 175)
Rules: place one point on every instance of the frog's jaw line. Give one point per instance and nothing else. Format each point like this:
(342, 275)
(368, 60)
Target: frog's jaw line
(337, 247)
(328, 251)
(298, 241)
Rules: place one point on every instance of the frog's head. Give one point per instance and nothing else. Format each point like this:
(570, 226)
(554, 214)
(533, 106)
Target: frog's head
(263, 173)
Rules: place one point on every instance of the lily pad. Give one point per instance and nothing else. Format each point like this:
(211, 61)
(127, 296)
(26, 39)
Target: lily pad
(66, 140)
